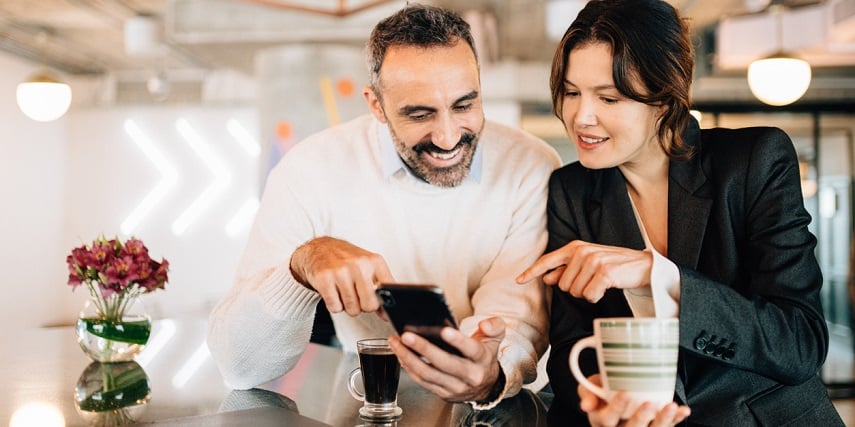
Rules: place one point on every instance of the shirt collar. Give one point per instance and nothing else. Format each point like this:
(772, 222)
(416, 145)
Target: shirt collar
(392, 162)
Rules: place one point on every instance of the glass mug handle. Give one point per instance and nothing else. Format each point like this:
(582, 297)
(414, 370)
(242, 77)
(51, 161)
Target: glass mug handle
(351, 385)
(587, 342)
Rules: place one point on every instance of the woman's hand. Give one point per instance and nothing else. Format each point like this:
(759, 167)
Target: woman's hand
(587, 270)
(623, 411)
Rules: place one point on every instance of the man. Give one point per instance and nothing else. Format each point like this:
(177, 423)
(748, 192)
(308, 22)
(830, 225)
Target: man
(422, 190)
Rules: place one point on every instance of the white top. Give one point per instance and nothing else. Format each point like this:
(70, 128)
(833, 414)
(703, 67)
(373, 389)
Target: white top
(662, 297)
(471, 240)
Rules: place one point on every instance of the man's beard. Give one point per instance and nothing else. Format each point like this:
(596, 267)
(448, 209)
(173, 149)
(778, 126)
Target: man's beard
(450, 176)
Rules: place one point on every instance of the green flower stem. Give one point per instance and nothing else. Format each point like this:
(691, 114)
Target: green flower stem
(108, 350)
(114, 306)
(108, 322)
(107, 383)
(128, 388)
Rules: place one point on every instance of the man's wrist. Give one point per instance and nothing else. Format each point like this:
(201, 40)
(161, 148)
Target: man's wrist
(298, 259)
(496, 390)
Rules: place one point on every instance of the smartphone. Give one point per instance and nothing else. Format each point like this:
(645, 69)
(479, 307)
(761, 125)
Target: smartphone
(418, 308)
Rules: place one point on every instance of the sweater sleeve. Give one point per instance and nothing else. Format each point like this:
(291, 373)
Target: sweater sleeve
(256, 336)
(524, 308)
(263, 325)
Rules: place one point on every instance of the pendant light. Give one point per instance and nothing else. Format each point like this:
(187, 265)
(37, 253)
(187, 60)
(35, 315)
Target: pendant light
(42, 96)
(779, 79)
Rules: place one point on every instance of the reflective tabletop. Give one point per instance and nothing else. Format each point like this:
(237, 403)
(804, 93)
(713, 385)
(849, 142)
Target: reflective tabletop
(48, 381)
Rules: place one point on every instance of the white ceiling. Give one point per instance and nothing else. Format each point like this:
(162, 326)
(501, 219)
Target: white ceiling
(203, 37)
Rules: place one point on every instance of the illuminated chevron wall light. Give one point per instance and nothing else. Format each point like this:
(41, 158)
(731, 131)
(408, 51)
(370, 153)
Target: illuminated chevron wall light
(214, 167)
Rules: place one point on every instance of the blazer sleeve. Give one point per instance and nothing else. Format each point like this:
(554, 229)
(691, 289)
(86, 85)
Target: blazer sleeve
(753, 303)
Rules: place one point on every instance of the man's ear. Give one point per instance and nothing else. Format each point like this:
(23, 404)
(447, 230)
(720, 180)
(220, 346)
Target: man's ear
(374, 104)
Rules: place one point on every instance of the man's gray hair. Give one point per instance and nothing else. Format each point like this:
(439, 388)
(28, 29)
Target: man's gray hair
(414, 25)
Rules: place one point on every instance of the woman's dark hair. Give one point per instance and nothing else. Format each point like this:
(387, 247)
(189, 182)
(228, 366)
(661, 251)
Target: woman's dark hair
(414, 25)
(650, 45)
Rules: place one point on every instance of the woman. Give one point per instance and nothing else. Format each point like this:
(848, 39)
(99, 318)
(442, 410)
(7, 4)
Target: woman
(659, 218)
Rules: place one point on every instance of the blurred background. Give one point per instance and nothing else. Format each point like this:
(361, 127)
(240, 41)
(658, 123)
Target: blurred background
(180, 107)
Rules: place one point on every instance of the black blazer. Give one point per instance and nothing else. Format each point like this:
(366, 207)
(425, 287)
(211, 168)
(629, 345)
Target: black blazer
(752, 332)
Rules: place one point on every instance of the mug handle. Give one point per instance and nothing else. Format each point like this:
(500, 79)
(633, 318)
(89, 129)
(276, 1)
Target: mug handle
(351, 385)
(587, 342)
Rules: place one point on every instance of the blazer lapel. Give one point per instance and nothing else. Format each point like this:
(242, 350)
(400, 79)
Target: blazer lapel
(613, 221)
(688, 211)
(615, 224)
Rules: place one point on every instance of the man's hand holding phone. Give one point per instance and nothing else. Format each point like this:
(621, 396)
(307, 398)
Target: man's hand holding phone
(440, 358)
(418, 308)
(469, 377)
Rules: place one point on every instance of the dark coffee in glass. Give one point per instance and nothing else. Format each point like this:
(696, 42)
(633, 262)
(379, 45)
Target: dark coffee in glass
(380, 373)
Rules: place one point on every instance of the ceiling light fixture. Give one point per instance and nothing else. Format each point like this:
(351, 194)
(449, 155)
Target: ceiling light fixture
(43, 97)
(779, 79)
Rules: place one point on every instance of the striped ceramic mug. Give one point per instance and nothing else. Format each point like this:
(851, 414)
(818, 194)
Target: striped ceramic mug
(636, 355)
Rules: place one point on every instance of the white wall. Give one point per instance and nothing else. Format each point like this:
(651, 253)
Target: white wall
(120, 158)
(66, 182)
(32, 170)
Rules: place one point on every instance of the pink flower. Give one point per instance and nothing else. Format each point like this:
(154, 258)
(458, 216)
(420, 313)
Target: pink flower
(122, 271)
(74, 273)
(158, 279)
(102, 252)
(136, 248)
(116, 268)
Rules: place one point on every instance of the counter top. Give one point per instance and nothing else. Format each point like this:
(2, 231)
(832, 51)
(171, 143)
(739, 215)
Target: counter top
(43, 371)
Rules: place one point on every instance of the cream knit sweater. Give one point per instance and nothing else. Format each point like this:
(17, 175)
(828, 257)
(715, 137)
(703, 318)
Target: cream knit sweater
(471, 240)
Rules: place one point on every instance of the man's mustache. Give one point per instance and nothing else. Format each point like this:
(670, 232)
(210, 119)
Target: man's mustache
(428, 146)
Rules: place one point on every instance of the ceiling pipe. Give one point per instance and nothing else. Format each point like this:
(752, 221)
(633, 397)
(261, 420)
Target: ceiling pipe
(340, 11)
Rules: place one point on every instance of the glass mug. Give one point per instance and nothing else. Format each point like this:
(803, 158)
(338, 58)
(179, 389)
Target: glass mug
(380, 372)
(635, 355)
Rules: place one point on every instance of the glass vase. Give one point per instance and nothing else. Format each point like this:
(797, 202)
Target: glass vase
(112, 394)
(117, 339)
